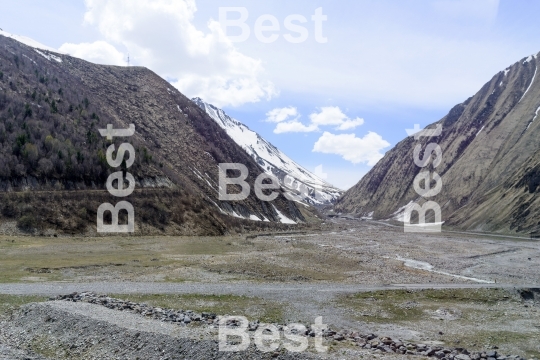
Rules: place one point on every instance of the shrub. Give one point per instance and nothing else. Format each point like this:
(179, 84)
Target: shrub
(27, 222)
(9, 210)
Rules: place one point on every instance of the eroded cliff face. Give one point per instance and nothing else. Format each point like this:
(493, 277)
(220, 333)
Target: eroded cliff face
(51, 107)
(490, 152)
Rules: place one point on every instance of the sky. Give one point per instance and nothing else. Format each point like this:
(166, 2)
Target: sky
(329, 83)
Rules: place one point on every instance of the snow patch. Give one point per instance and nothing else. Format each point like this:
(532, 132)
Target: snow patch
(536, 114)
(35, 63)
(282, 218)
(253, 217)
(27, 41)
(399, 214)
(534, 118)
(535, 69)
(368, 216)
(529, 58)
(479, 131)
(200, 177)
(49, 56)
(236, 215)
(506, 71)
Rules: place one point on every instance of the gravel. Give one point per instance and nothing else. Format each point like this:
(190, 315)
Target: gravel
(69, 330)
(92, 326)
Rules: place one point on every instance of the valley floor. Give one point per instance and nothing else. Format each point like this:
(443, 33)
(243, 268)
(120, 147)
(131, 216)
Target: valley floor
(450, 289)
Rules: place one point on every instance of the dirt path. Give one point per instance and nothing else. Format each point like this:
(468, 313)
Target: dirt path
(305, 300)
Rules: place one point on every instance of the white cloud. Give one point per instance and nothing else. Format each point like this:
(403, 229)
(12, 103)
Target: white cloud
(99, 52)
(332, 115)
(350, 124)
(327, 116)
(281, 114)
(160, 35)
(356, 150)
(294, 126)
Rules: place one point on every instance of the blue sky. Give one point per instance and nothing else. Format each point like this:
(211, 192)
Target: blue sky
(390, 63)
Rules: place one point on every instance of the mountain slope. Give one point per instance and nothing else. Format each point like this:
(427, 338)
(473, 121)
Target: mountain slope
(490, 150)
(52, 163)
(311, 188)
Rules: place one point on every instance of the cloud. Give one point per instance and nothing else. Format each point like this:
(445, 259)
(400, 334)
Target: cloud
(281, 114)
(160, 35)
(332, 115)
(294, 126)
(350, 124)
(356, 150)
(327, 116)
(99, 52)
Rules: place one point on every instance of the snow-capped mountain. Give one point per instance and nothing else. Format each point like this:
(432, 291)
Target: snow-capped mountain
(306, 186)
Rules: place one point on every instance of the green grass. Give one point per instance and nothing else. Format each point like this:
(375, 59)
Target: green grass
(405, 305)
(30, 259)
(483, 316)
(250, 307)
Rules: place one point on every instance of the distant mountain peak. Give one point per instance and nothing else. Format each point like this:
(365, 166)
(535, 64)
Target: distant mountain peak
(273, 161)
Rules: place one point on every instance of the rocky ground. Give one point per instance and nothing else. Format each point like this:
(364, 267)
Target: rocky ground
(92, 326)
(384, 294)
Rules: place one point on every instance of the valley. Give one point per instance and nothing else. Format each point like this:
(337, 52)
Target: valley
(448, 290)
(192, 257)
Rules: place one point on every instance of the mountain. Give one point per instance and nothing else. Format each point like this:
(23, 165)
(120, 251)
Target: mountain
(53, 167)
(307, 186)
(490, 166)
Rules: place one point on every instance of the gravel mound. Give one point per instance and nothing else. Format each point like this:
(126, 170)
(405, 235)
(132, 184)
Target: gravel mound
(69, 330)
(10, 353)
(91, 326)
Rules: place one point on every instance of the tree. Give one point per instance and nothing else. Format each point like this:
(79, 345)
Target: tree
(27, 111)
(54, 108)
(30, 153)
(45, 166)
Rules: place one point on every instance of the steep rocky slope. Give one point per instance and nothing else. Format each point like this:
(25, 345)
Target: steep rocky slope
(490, 157)
(52, 163)
(309, 187)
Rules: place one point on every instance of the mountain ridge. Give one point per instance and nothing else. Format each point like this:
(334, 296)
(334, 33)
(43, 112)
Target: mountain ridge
(485, 141)
(51, 107)
(309, 187)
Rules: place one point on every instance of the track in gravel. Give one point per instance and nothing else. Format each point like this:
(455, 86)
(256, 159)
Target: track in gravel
(275, 290)
(309, 300)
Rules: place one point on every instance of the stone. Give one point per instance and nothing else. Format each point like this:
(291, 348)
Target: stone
(439, 354)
